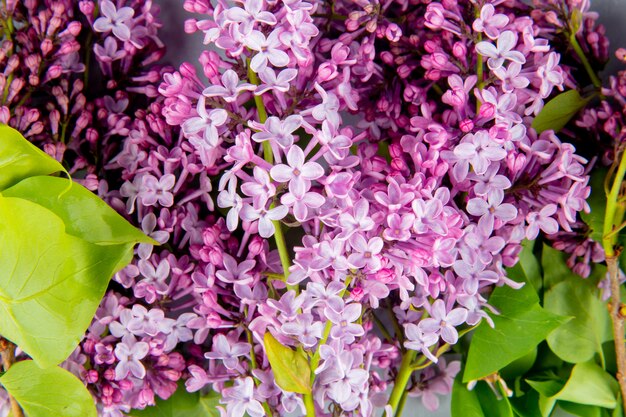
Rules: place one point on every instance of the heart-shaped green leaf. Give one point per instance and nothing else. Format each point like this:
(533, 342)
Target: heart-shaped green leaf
(84, 214)
(50, 282)
(558, 111)
(21, 159)
(291, 369)
(521, 325)
(48, 392)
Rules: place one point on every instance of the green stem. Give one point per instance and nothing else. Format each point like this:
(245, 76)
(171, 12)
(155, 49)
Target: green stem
(268, 155)
(583, 58)
(402, 380)
(402, 403)
(613, 210)
(309, 405)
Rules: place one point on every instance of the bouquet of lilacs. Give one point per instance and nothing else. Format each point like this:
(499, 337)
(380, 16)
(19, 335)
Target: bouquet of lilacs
(337, 187)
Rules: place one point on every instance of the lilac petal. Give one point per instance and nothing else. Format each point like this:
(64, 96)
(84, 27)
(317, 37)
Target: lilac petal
(123, 33)
(266, 227)
(506, 212)
(125, 13)
(136, 369)
(312, 171)
(487, 49)
(477, 207)
(352, 312)
(449, 335)
(281, 173)
(456, 316)
(108, 8)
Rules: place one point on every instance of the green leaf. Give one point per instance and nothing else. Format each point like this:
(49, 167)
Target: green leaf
(597, 203)
(519, 366)
(580, 410)
(528, 268)
(582, 337)
(555, 269)
(85, 215)
(183, 404)
(521, 325)
(50, 282)
(527, 405)
(48, 392)
(21, 159)
(291, 368)
(464, 403)
(481, 401)
(558, 111)
(588, 384)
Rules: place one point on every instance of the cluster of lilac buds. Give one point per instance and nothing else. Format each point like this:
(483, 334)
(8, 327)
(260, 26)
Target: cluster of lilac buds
(352, 178)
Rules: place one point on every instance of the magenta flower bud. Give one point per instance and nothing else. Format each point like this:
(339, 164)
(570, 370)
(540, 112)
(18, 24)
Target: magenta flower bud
(459, 50)
(404, 71)
(54, 71)
(109, 375)
(171, 374)
(326, 72)
(466, 125)
(386, 57)
(431, 46)
(357, 294)
(398, 164)
(68, 47)
(86, 7)
(125, 384)
(382, 104)
(91, 376)
(352, 25)
(46, 46)
(256, 246)
(74, 28)
(487, 111)
(190, 26)
(88, 346)
(35, 129)
(5, 114)
(108, 389)
(176, 361)
(412, 93)
(393, 32)
(106, 400)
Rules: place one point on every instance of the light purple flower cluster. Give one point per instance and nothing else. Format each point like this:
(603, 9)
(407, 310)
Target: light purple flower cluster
(352, 177)
(415, 210)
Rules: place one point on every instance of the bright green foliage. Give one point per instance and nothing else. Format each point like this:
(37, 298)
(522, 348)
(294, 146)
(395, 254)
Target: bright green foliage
(481, 401)
(48, 392)
(20, 159)
(60, 246)
(291, 368)
(588, 385)
(521, 325)
(582, 337)
(528, 268)
(558, 111)
(183, 404)
(84, 215)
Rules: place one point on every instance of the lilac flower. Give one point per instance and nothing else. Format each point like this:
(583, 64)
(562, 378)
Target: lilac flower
(511, 78)
(108, 53)
(206, 123)
(198, 379)
(503, 51)
(251, 13)
(227, 351)
(230, 198)
(298, 173)
(239, 399)
(356, 221)
(365, 253)
(155, 190)
(328, 108)
(399, 227)
(265, 218)
(261, 190)
(236, 273)
(279, 131)
(268, 49)
(130, 355)
(114, 20)
(417, 339)
(479, 150)
(231, 87)
(541, 220)
(305, 329)
(278, 83)
(301, 205)
(489, 22)
(344, 316)
(492, 209)
(443, 322)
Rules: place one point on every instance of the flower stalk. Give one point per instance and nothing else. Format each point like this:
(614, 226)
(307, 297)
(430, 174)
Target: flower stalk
(613, 219)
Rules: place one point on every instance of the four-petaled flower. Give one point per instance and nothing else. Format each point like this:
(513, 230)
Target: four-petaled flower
(298, 172)
(114, 20)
